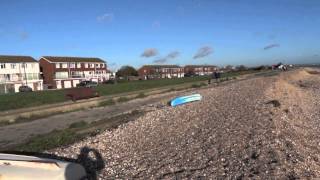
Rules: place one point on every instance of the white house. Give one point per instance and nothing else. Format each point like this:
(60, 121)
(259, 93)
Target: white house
(16, 71)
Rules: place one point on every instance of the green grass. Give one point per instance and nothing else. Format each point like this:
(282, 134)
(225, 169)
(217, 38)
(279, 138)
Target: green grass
(32, 99)
(23, 100)
(123, 87)
(198, 85)
(195, 85)
(50, 140)
(78, 124)
(108, 102)
(203, 84)
(76, 131)
(141, 95)
(123, 99)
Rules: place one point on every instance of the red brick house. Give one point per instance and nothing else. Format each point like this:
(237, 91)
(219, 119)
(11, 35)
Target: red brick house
(200, 70)
(67, 72)
(160, 71)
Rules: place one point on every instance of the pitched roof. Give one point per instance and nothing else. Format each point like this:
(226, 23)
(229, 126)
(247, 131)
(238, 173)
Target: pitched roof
(16, 59)
(73, 59)
(194, 66)
(162, 66)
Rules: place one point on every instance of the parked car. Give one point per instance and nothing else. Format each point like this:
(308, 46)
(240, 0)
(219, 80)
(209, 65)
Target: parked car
(190, 74)
(25, 89)
(81, 93)
(87, 84)
(110, 81)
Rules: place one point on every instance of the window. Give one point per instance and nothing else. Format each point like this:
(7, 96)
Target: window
(2, 66)
(13, 66)
(64, 65)
(30, 76)
(72, 65)
(78, 65)
(57, 65)
(7, 77)
(61, 75)
(24, 65)
(101, 65)
(86, 65)
(97, 65)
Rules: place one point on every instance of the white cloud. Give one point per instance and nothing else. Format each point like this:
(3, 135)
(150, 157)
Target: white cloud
(203, 52)
(156, 24)
(149, 52)
(107, 17)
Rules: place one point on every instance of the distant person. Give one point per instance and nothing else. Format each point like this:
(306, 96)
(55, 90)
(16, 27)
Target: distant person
(216, 75)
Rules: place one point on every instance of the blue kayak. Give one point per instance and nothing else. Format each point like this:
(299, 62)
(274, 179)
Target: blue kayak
(185, 99)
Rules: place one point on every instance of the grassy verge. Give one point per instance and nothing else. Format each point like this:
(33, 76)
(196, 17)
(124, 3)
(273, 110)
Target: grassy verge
(123, 99)
(22, 119)
(76, 132)
(22, 100)
(108, 102)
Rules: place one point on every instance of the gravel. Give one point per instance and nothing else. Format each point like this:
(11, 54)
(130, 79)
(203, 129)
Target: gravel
(233, 133)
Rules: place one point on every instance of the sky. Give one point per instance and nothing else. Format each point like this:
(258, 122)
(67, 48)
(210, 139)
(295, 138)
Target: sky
(138, 32)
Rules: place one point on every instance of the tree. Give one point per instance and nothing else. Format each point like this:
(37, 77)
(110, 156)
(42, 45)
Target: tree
(241, 68)
(126, 71)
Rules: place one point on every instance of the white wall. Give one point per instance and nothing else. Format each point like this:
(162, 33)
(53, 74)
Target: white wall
(30, 68)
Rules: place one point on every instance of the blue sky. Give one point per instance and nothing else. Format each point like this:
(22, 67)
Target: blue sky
(220, 32)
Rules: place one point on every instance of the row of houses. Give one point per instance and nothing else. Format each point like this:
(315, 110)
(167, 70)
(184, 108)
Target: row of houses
(174, 71)
(49, 72)
(52, 72)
